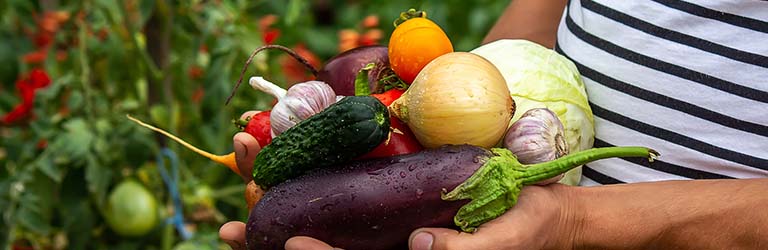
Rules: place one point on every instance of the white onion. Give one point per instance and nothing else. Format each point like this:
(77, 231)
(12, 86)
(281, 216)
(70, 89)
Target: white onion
(458, 98)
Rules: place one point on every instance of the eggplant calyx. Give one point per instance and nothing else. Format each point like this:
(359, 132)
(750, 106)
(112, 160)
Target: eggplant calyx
(494, 187)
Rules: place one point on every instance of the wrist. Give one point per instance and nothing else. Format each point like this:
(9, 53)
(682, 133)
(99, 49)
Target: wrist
(570, 217)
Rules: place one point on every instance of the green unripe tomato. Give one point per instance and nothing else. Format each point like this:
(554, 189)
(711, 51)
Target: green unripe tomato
(131, 209)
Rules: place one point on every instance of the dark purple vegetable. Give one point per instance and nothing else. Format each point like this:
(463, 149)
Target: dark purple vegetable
(375, 204)
(340, 71)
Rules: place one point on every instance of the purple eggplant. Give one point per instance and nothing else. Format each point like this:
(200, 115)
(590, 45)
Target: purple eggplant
(373, 204)
(376, 204)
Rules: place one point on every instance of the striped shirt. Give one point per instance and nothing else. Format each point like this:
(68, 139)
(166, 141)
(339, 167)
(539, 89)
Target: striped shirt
(689, 79)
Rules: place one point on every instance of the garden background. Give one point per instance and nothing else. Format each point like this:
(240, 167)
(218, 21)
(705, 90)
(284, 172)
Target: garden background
(70, 72)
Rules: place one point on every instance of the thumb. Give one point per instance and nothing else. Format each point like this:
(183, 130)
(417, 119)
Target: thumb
(445, 239)
(246, 148)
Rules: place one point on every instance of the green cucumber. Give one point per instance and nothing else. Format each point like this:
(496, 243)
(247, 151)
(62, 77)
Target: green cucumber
(349, 128)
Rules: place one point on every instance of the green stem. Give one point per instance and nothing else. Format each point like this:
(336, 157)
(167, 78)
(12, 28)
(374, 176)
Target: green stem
(241, 123)
(545, 170)
(405, 16)
(361, 80)
(494, 187)
(85, 73)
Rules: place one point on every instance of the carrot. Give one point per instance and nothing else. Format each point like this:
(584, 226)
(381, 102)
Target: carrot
(228, 159)
(415, 42)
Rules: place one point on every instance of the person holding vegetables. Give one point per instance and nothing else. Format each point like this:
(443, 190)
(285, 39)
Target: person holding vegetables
(680, 77)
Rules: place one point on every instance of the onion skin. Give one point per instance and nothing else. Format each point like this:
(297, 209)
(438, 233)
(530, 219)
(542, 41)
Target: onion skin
(458, 98)
(340, 71)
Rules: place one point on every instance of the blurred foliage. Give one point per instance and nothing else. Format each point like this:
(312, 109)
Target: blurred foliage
(172, 64)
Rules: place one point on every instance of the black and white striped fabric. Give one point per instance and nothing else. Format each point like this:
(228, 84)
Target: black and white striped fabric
(689, 79)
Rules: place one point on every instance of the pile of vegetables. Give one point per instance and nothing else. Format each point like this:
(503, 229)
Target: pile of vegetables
(390, 139)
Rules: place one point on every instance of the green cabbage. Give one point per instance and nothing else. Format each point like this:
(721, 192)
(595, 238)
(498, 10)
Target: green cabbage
(540, 77)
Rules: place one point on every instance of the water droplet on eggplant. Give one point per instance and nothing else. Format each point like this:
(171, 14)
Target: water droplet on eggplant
(413, 167)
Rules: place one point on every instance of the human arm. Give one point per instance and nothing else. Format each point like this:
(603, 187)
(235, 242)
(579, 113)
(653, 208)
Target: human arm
(534, 20)
(698, 214)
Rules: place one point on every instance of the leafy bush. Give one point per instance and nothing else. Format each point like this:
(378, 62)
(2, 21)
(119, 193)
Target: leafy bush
(72, 70)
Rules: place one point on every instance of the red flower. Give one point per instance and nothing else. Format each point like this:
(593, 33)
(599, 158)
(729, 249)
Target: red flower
(352, 38)
(37, 56)
(195, 72)
(26, 88)
(197, 95)
(370, 21)
(268, 34)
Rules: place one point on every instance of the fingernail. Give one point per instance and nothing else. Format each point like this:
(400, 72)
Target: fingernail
(422, 241)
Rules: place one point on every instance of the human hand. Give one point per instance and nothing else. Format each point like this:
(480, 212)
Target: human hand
(537, 221)
(246, 148)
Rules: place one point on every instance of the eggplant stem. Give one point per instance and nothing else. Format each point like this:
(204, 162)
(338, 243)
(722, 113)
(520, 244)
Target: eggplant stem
(293, 54)
(545, 170)
(494, 187)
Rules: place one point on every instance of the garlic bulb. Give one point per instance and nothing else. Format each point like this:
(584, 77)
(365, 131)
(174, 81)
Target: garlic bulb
(298, 103)
(538, 136)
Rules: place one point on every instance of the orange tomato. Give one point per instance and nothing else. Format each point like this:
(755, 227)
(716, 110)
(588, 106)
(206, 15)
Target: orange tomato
(413, 44)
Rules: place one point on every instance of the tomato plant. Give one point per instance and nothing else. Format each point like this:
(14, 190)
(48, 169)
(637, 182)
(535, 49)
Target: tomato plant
(67, 146)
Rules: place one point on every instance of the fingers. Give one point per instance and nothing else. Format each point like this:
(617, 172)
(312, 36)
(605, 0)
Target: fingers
(447, 239)
(233, 233)
(246, 148)
(249, 114)
(306, 243)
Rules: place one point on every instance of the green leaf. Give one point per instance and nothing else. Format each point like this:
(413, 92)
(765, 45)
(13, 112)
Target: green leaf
(75, 143)
(46, 164)
(77, 215)
(75, 100)
(98, 178)
(295, 9)
(361, 80)
(36, 205)
(8, 55)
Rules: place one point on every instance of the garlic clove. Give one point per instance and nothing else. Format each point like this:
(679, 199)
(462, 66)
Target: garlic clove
(538, 136)
(309, 98)
(259, 83)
